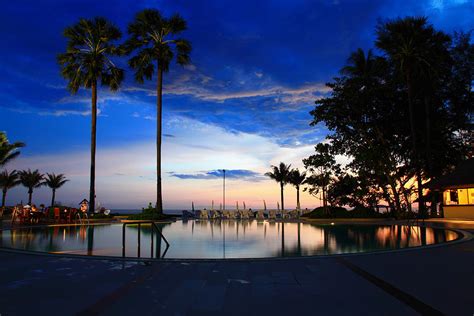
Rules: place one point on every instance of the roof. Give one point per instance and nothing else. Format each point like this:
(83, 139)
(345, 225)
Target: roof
(461, 177)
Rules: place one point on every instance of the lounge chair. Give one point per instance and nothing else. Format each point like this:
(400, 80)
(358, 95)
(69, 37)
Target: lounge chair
(272, 214)
(203, 214)
(232, 214)
(284, 214)
(244, 214)
(260, 215)
(214, 214)
(294, 214)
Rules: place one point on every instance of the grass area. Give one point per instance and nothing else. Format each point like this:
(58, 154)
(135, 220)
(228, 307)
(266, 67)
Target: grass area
(341, 212)
(149, 213)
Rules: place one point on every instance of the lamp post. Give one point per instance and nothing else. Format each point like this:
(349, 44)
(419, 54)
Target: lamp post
(223, 204)
(223, 189)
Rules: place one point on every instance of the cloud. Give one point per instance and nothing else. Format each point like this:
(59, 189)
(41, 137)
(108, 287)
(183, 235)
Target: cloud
(246, 175)
(305, 94)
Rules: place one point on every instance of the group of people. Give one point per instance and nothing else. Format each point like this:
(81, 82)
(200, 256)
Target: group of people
(33, 215)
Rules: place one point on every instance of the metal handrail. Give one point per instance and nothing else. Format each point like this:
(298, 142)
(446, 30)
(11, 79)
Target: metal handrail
(154, 227)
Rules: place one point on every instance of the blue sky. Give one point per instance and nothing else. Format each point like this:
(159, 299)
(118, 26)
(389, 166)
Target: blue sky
(243, 103)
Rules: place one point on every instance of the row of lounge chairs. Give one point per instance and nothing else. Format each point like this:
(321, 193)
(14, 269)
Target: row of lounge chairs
(242, 214)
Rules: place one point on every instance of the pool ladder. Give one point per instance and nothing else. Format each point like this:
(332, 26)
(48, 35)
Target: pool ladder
(154, 228)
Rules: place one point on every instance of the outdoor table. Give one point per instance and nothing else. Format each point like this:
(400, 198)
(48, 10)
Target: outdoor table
(35, 217)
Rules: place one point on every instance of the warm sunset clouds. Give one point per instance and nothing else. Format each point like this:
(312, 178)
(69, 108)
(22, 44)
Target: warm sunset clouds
(242, 105)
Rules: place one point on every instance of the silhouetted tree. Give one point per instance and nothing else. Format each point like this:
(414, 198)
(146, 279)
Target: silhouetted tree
(8, 180)
(8, 151)
(321, 167)
(297, 178)
(86, 63)
(31, 180)
(154, 40)
(280, 174)
(54, 182)
(416, 49)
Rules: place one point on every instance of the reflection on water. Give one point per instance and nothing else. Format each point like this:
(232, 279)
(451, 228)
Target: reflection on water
(223, 239)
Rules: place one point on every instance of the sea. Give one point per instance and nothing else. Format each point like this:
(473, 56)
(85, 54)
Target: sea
(138, 211)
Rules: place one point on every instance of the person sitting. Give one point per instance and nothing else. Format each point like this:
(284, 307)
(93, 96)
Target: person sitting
(34, 209)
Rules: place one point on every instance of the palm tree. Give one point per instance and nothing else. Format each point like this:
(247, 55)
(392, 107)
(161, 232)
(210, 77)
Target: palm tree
(31, 180)
(297, 178)
(8, 151)
(153, 37)
(413, 45)
(280, 174)
(86, 62)
(54, 182)
(8, 180)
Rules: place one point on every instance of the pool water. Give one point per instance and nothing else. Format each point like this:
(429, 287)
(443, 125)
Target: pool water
(196, 239)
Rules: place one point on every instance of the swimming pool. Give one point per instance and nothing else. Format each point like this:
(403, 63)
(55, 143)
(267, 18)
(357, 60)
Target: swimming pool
(195, 239)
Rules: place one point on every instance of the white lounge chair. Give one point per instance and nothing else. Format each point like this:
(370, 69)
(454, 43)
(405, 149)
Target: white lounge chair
(244, 214)
(294, 214)
(272, 214)
(202, 214)
(214, 214)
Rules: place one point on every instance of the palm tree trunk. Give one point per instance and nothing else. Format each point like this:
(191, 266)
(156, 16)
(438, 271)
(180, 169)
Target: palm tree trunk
(159, 110)
(30, 195)
(298, 198)
(4, 197)
(53, 197)
(421, 204)
(281, 197)
(93, 147)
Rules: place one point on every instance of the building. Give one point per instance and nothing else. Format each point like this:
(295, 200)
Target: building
(457, 188)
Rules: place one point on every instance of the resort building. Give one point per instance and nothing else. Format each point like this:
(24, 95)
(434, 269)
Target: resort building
(457, 188)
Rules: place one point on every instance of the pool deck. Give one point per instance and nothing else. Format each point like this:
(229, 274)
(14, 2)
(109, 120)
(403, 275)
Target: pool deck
(436, 280)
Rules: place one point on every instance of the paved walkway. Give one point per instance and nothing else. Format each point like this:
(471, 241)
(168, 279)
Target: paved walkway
(438, 280)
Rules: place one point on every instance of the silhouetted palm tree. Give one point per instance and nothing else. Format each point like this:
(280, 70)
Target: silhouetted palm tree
(153, 37)
(280, 174)
(31, 180)
(86, 62)
(360, 64)
(8, 180)
(297, 178)
(414, 46)
(8, 151)
(54, 182)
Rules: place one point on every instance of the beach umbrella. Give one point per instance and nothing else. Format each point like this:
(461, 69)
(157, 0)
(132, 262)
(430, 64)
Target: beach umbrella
(212, 207)
(264, 205)
(237, 204)
(245, 207)
(192, 206)
(278, 206)
(220, 206)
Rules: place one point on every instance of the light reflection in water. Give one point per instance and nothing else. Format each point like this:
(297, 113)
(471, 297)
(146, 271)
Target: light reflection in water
(224, 239)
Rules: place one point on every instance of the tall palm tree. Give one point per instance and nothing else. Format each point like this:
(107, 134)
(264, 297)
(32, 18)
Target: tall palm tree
(8, 151)
(297, 178)
(153, 39)
(31, 180)
(54, 182)
(86, 63)
(413, 45)
(8, 180)
(280, 174)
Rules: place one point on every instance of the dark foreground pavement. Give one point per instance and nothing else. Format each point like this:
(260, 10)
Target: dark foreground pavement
(438, 280)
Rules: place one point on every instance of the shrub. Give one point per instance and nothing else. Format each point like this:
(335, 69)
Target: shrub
(340, 212)
(149, 213)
